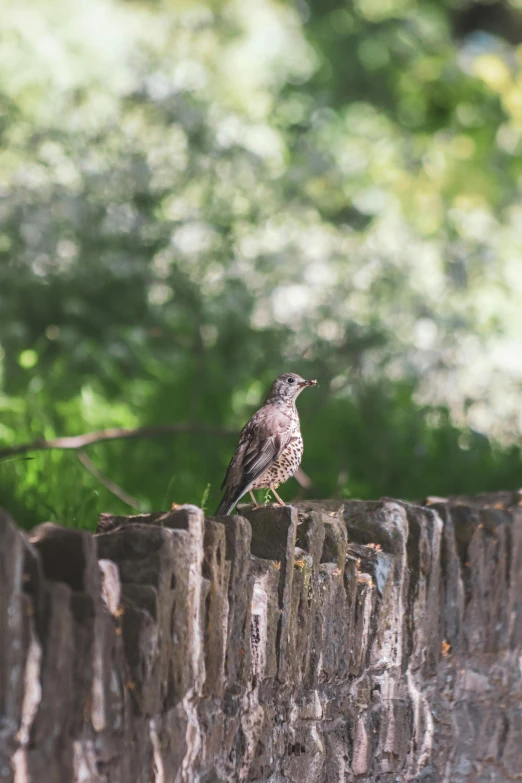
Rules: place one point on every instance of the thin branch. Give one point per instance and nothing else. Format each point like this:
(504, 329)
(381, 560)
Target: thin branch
(115, 433)
(115, 489)
(303, 478)
(77, 442)
(16, 459)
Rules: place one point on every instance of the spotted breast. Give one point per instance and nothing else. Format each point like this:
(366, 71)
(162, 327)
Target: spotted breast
(284, 467)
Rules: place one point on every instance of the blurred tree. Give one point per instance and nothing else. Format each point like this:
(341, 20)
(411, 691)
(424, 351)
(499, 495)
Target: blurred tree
(198, 196)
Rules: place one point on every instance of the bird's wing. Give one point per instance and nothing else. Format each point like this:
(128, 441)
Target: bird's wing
(268, 438)
(261, 441)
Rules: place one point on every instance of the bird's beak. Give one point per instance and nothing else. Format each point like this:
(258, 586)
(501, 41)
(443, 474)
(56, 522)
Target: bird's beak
(303, 384)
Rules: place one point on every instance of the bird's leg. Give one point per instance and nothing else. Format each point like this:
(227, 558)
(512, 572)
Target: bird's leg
(281, 502)
(254, 501)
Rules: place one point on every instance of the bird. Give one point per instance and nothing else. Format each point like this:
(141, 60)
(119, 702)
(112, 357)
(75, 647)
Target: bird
(270, 445)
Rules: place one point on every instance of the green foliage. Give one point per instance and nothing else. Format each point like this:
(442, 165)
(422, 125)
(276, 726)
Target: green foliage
(204, 498)
(198, 196)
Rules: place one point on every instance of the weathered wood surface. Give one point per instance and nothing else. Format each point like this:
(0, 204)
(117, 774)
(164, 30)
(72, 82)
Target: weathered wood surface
(355, 641)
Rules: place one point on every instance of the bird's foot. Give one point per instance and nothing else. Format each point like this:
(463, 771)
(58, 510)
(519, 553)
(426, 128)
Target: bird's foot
(280, 501)
(254, 501)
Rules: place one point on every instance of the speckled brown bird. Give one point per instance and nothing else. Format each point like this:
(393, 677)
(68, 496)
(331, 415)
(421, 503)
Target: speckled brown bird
(270, 446)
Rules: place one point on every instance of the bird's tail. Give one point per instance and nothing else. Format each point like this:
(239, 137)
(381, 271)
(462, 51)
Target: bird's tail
(228, 501)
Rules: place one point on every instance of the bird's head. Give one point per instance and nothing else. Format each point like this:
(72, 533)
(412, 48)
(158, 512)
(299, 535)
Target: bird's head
(288, 387)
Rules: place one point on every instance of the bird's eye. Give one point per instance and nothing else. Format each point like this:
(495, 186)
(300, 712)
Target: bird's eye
(290, 380)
